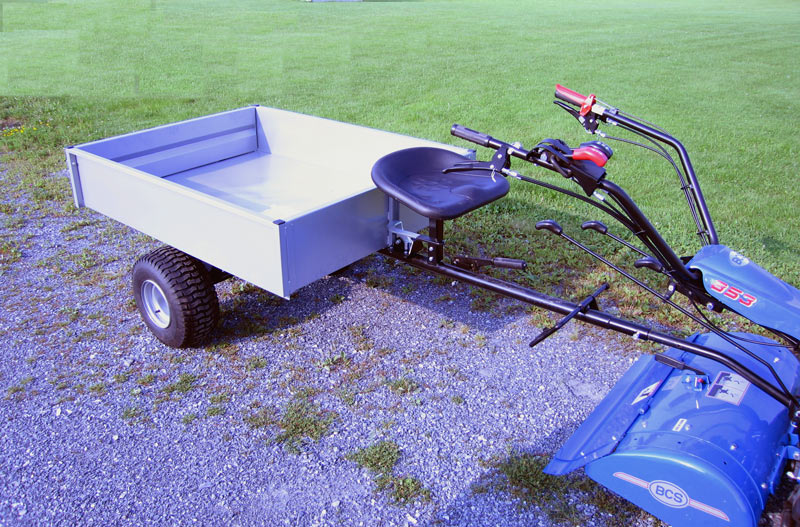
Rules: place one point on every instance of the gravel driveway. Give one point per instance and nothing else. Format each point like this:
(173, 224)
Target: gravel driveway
(377, 396)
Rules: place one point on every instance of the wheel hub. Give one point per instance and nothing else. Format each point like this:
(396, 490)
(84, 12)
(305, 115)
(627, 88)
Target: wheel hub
(155, 304)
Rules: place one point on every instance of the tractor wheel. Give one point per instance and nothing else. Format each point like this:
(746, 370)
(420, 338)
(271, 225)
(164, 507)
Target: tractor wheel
(176, 297)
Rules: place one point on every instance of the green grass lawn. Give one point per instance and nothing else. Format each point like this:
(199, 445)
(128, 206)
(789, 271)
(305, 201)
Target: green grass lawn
(720, 75)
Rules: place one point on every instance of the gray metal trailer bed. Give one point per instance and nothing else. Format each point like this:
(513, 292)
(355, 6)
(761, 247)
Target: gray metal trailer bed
(276, 198)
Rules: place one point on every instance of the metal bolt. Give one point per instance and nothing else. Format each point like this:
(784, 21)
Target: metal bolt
(430, 259)
(710, 306)
(430, 248)
(796, 455)
(764, 486)
(734, 446)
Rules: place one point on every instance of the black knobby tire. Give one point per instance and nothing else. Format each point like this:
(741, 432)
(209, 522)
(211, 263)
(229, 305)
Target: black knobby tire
(183, 283)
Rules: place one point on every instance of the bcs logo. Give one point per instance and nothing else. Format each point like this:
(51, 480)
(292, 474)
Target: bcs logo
(669, 494)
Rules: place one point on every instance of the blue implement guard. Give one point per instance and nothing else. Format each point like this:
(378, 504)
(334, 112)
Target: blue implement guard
(689, 448)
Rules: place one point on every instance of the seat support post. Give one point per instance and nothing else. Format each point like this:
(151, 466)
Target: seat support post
(436, 233)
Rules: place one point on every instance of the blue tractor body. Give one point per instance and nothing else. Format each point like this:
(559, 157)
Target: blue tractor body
(698, 446)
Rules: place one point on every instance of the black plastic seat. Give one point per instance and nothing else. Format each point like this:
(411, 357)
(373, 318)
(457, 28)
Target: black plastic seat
(415, 177)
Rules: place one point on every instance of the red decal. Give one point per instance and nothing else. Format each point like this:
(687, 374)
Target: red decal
(747, 300)
(719, 286)
(733, 293)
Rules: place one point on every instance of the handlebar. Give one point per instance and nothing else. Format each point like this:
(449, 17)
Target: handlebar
(601, 113)
(570, 96)
(573, 97)
(472, 136)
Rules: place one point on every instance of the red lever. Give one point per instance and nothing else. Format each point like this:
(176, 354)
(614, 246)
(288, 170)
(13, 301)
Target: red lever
(587, 104)
(574, 97)
(590, 154)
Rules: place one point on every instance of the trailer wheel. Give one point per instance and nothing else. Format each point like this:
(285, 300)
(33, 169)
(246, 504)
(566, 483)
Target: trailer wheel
(176, 297)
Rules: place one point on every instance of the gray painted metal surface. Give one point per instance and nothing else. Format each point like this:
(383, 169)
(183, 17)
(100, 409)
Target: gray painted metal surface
(276, 198)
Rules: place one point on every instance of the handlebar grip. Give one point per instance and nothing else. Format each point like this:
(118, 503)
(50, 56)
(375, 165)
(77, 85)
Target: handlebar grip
(565, 94)
(471, 135)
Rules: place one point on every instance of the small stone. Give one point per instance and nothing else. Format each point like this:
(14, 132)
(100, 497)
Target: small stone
(335, 504)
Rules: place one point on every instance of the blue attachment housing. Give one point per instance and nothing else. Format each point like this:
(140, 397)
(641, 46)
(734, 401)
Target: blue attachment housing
(690, 449)
(747, 289)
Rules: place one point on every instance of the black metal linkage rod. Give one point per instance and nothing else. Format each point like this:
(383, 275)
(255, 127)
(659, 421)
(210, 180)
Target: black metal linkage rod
(685, 161)
(591, 316)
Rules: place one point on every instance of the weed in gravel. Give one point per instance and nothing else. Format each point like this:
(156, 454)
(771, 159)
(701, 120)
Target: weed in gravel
(188, 418)
(447, 323)
(220, 398)
(457, 399)
(333, 362)
(228, 350)
(216, 410)
(483, 300)
(360, 340)
(146, 380)
(184, 384)
(403, 386)
(347, 396)
(10, 253)
(130, 413)
(261, 417)
(522, 476)
(540, 318)
(71, 313)
(337, 299)
(377, 280)
(380, 459)
(19, 388)
(98, 389)
(403, 489)
(176, 358)
(79, 224)
(256, 363)
(384, 352)
(303, 418)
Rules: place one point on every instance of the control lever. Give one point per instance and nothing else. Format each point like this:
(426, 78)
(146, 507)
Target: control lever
(590, 302)
(650, 263)
(675, 363)
(600, 227)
